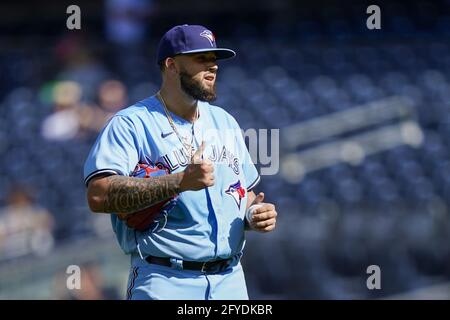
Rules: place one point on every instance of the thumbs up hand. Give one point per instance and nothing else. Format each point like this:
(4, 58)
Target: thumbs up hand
(199, 173)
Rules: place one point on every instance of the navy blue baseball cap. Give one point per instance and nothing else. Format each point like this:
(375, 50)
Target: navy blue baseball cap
(186, 39)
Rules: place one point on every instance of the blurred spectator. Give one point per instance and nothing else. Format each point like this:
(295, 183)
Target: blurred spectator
(126, 27)
(112, 96)
(64, 123)
(25, 228)
(126, 20)
(72, 118)
(80, 65)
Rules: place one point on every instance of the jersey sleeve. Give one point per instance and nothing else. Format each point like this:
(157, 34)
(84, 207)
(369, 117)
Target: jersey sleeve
(251, 174)
(248, 167)
(115, 151)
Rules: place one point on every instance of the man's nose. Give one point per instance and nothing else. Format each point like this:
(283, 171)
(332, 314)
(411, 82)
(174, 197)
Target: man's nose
(213, 67)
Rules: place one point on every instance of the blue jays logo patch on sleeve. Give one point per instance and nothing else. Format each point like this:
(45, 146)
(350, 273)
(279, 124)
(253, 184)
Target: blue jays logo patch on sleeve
(237, 192)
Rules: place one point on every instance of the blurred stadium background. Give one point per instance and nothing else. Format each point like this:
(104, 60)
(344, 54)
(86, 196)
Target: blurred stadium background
(364, 139)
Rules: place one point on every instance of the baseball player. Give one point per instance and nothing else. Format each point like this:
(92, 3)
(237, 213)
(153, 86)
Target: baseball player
(176, 152)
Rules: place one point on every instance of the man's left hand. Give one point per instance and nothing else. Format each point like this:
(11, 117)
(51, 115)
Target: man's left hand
(264, 218)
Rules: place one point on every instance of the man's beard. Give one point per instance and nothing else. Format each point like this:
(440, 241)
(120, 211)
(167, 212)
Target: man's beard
(195, 89)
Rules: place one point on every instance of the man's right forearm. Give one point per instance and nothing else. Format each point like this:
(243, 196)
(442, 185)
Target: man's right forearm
(128, 195)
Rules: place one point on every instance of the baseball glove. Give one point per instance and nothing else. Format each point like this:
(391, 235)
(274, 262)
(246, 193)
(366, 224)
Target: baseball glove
(143, 219)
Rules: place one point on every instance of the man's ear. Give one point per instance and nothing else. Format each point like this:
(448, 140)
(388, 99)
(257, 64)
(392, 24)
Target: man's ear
(171, 65)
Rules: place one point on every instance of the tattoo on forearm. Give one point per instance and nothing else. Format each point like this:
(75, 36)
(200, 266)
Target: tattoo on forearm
(128, 195)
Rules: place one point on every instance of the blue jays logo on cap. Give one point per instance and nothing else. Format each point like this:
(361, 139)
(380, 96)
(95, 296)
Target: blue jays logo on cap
(237, 192)
(209, 35)
(186, 39)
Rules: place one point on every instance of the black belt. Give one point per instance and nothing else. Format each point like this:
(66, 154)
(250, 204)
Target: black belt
(205, 267)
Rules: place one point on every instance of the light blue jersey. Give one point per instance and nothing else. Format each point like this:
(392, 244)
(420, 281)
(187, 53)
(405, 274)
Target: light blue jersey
(201, 225)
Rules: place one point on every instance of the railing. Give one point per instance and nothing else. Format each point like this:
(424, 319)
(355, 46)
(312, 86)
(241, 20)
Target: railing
(356, 133)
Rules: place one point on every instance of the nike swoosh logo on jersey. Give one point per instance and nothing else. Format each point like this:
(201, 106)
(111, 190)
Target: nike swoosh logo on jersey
(165, 135)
